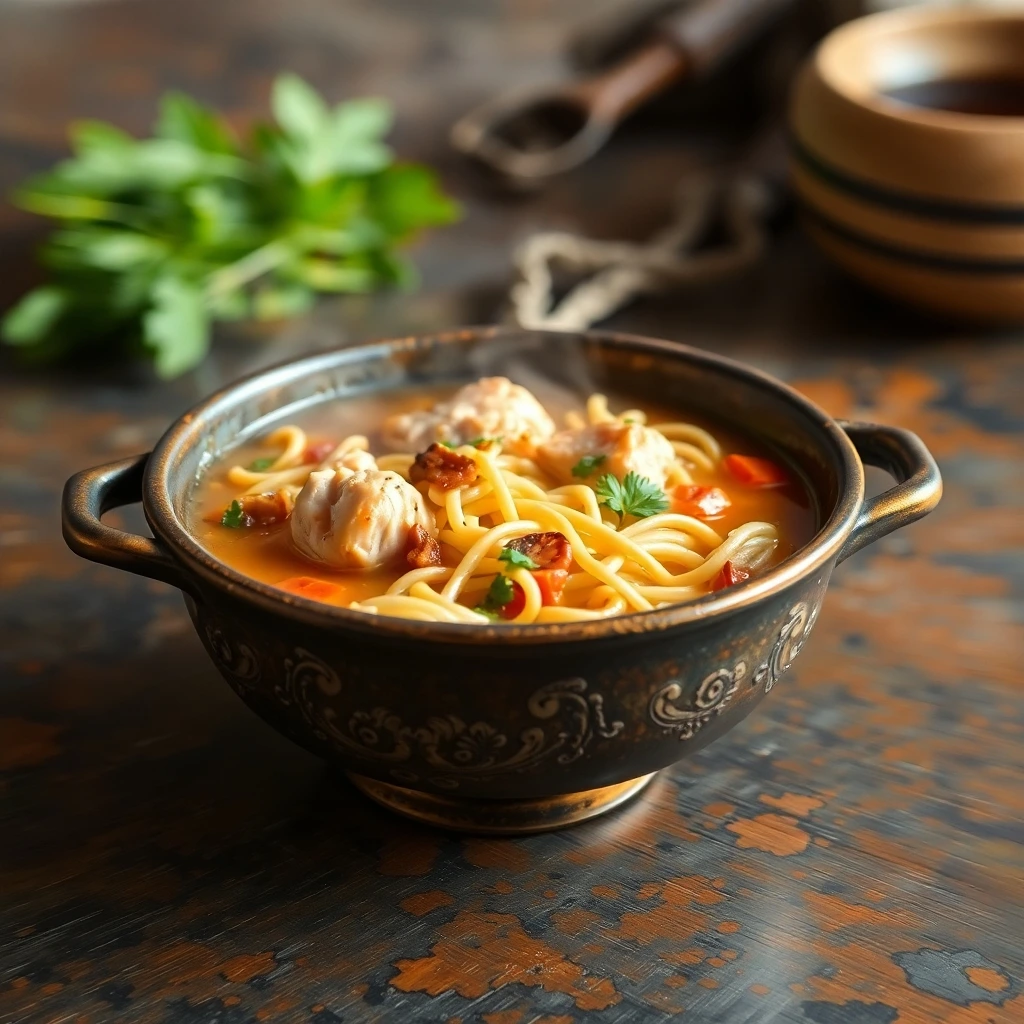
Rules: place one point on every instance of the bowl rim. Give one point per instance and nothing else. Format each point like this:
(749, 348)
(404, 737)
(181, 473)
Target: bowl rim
(829, 53)
(187, 430)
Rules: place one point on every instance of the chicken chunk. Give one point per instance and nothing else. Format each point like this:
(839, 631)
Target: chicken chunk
(354, 461)
(357, 521)
(491, 407)
(614, 447)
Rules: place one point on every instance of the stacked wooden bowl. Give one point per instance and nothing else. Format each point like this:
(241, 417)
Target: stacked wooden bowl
(908, 157)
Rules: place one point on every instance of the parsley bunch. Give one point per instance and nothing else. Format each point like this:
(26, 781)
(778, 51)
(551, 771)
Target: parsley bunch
(158, 237)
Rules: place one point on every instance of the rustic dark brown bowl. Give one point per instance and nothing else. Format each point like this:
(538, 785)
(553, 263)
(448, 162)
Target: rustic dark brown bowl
(505, 728)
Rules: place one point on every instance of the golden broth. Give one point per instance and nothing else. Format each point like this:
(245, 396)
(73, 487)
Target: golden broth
(267, 554)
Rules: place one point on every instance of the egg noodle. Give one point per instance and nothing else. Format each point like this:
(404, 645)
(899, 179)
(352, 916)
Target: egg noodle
(618, 567)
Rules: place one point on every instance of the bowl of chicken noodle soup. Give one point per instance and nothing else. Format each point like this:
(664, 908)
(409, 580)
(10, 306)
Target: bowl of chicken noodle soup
(503, 577)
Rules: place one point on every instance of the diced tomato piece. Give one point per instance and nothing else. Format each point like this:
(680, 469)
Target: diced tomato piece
(700, 502)
(729, 577)
(756, 472)
(317, 452)
(309, 586)
(516, 605)
(551, 583)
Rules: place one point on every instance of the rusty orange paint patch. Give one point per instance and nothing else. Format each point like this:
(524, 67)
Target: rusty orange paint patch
(24, 743)
(987, 978)
(793, 803)
(771, 833)
(694, 955)
(676, 980)
(760, 990)
(574, 921)
(728, 927)
(605, 892)
(676, 917)
(833, 913)
(716, 961)
(422, 903)
(504, 1017)
(247, 966)
(708, 983)
(495, 853)
(719, 810)
(503, 887)
(478, 953)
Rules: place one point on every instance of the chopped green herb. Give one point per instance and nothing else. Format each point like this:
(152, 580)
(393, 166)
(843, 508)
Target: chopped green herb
(260, 465)
(634, 496)
(483, 442)
(516, 559)
(157, 238)
(499, 595)
(234, 516)
(587, 466)
(629, 419)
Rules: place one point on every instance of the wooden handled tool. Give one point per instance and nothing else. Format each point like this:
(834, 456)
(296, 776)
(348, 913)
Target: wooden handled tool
(529, 136)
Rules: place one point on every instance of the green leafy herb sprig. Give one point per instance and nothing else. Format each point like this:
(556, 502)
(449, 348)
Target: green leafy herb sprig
(498, 595)
(635, 496)
(516, 559)
(158, 237)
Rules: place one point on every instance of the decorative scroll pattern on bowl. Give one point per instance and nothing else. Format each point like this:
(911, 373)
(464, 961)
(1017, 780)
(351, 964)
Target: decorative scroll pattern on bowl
(789, 644)
(718, 688)
(235, 659)
(711, 698)
(568, 719)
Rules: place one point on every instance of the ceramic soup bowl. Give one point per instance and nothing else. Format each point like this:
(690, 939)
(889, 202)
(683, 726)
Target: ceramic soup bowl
(505, 728)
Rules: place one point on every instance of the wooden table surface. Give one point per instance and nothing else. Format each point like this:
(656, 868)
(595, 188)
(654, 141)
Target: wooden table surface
(851, 854)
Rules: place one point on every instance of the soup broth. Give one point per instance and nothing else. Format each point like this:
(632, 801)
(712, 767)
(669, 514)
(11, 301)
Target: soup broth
(707, 498)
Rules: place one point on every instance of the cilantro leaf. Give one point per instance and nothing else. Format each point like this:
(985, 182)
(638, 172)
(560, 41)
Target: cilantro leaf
(516, 559)
(634, 496)
(156, 238)
(588, 465)
(485, 442)
(234, 516)
(261, 465)
(499, 595)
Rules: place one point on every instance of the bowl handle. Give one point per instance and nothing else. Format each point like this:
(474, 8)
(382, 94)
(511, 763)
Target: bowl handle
(87, 495)
(918, 482)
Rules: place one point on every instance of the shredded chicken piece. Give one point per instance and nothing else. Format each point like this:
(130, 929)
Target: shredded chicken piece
(547, 550)
(423, 550)
(443, 467)
(355, 460)
(359, 520)
(492, 407)
(621, 448)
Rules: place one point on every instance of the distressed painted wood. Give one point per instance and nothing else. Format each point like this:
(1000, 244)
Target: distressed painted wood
(852, 854)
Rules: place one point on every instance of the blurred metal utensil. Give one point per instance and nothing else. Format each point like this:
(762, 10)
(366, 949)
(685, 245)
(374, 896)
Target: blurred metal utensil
(533, 134)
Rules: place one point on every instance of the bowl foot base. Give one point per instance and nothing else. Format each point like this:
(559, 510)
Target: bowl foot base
(499, 817)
